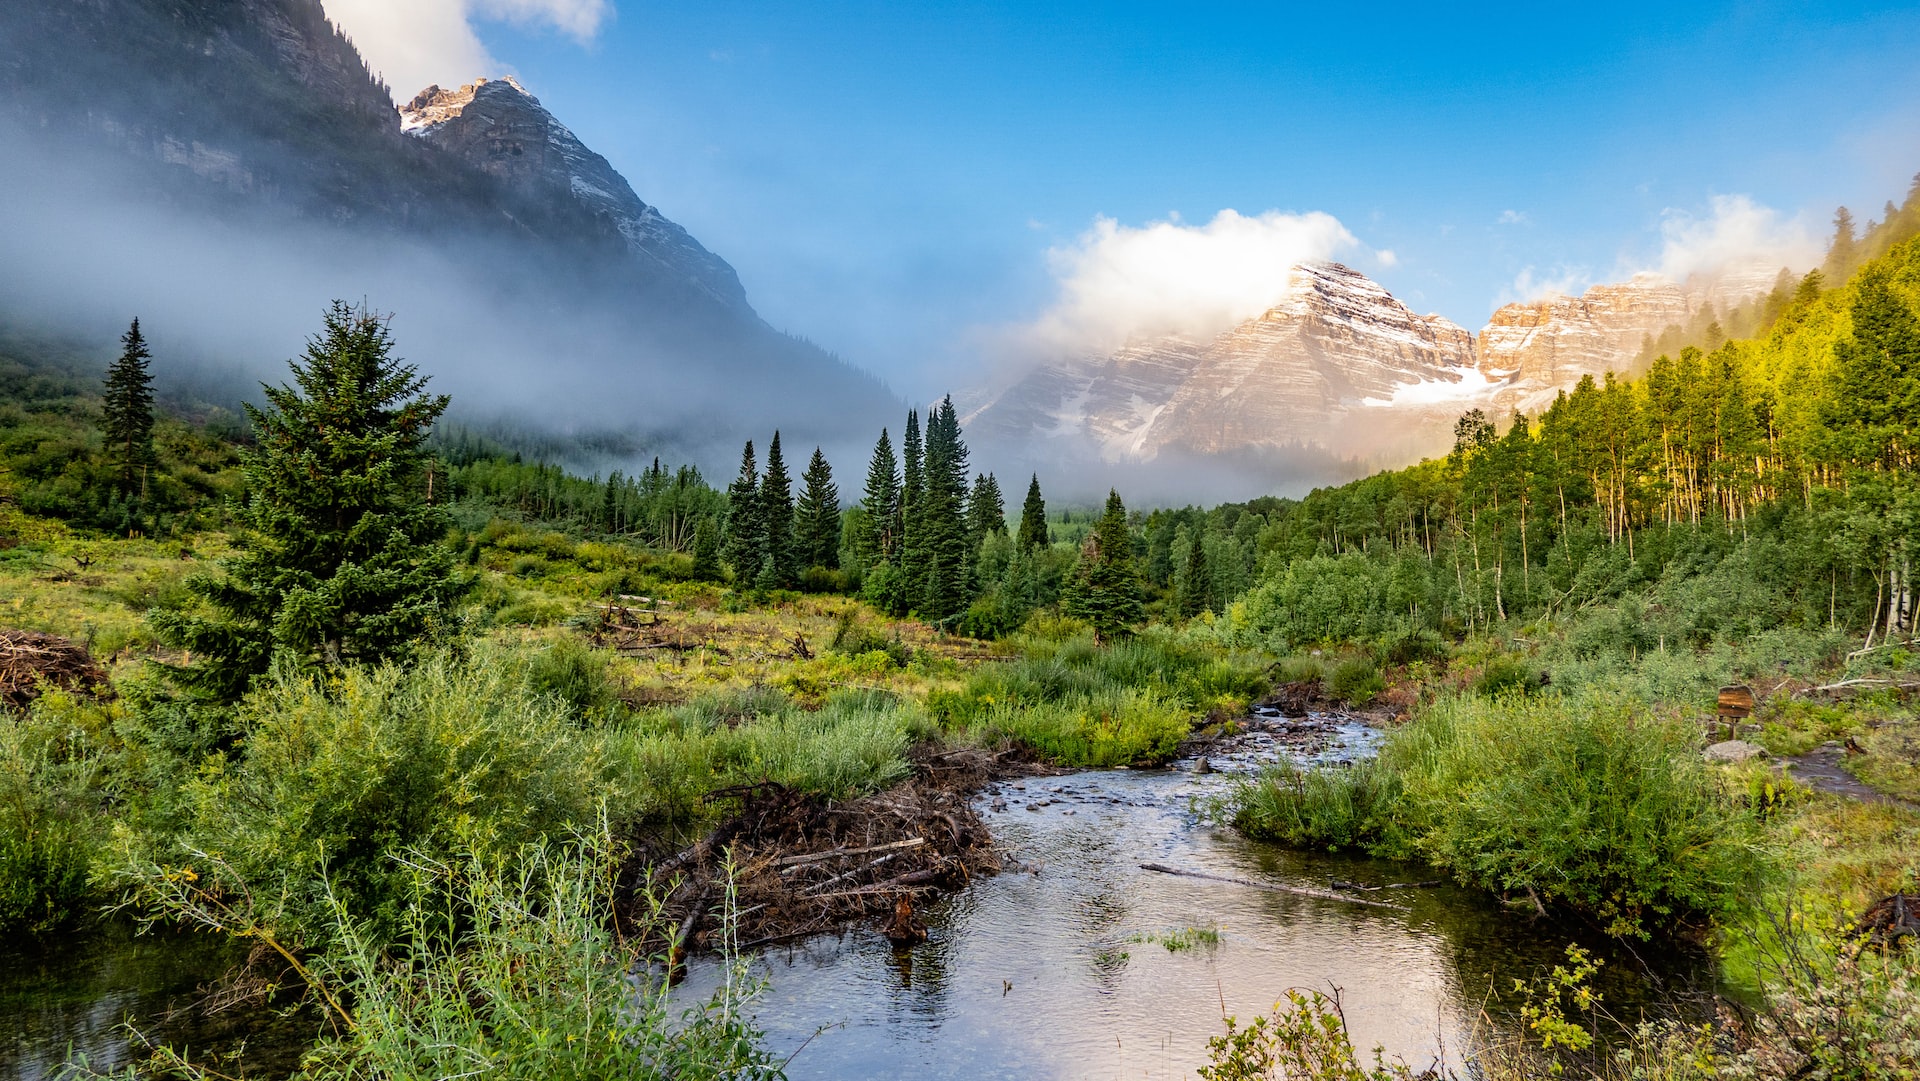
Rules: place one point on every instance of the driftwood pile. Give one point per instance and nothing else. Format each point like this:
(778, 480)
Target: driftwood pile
(802, 865)
(1891, 919)
(30, 662)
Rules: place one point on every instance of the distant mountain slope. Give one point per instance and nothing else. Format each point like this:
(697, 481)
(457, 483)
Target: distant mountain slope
(1340, 364)
(215, 163)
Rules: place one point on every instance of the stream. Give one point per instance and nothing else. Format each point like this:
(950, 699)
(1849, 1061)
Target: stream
(1057, 968)
(1061, 971)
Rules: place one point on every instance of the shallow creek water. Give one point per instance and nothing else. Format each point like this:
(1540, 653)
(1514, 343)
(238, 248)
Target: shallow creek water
(1057, 972)
(1053, 970)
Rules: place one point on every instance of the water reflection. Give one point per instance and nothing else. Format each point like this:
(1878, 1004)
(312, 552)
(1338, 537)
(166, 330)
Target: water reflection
(1062, 974)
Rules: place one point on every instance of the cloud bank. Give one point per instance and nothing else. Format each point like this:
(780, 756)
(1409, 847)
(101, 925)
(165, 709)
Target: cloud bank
(1121, 282)
(1736, 232)
(414, 43)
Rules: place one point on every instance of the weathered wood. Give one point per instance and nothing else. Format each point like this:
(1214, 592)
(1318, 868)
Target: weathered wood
(1300, 891)
(814, 857)
(1736, 702)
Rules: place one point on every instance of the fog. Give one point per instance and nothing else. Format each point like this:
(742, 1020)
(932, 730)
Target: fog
(237, 287)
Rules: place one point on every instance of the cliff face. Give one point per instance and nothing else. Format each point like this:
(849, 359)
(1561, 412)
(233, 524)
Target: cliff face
(1342, 365)
(502, 131)
(1284, 378)
(1537, 349)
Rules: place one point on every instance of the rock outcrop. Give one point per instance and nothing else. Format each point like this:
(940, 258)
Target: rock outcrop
(501, 130)
(1536, 349)
(1284, 378)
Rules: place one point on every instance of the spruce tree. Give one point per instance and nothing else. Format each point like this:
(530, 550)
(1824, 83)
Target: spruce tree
(1033, 518)
(127, 413)
(948, 574)
(880, 525)
(745, 548)
(776, 512)
(1191, 589)
(1105, 588)
(342, 563)
(1842, 253)
(986, 510)
(913, 556)
(817, 517)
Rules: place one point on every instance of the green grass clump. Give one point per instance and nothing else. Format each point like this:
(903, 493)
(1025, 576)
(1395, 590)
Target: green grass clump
(1107, 728)
(1589, 801)
(1330, 809)
(1356, 681)
(52, 822)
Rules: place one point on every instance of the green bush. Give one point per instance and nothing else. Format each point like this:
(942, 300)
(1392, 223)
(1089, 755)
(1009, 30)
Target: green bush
(338, 779)
(1507, 674)
(1109, 728)
(1589, 801)
(51, 822)
(1331, 809)
(1355, 681)
(578, 676)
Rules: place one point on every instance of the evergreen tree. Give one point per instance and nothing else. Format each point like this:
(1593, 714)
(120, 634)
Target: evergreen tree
(879, 540)
(745, 548)
(817, 518)
(1191, 587)
(1875, 407)
(1842, 255)
(913, 554)
(947, 585)
(342, 562)
(127, 413)
(986, 510)
(1033, 518)
(706, 550)
(776, 512)
(1105, 589)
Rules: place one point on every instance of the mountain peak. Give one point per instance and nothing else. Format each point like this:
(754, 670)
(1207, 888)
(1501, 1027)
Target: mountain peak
(499, 128)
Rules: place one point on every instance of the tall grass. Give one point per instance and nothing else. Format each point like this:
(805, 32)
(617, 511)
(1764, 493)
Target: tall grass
(1087, 704)
(1589, 800)
(52, 824)
(505, 965)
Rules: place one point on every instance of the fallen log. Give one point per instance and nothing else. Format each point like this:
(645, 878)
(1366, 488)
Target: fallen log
(1355, 887)
(1299, 891)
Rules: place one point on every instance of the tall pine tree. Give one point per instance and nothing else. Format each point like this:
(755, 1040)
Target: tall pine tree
(913, 548)
(880, 521)
(343, 562)
(817, 518)
(776, 518)
(127, 413)
(986, 510)
(1190, 586)
(1033, 518)
(947, 582)
(1105, 588)
(745, 548)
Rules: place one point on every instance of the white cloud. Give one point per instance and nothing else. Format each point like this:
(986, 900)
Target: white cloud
(1737, 232)
(1119, 282)
(1513, 217)
(1532, 284)
(413, 43)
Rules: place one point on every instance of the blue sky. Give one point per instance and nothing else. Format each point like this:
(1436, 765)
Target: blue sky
(889, 179)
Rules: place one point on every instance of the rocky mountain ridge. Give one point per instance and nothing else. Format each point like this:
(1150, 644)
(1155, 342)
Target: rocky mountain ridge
(1342, 364)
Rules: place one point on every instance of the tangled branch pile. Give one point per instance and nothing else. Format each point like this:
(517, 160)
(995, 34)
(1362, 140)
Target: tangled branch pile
(803, 865)
(31, 661)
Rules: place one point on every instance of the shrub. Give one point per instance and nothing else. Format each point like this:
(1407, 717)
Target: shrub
(578, 676)
(51, 826)
(512, 960)
(1507, 674)
(339, 778)
(1331, 809)
(1110, 728)
(1355, 681)
(1587, 800)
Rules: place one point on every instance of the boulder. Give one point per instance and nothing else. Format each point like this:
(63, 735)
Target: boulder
(1733, 750)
